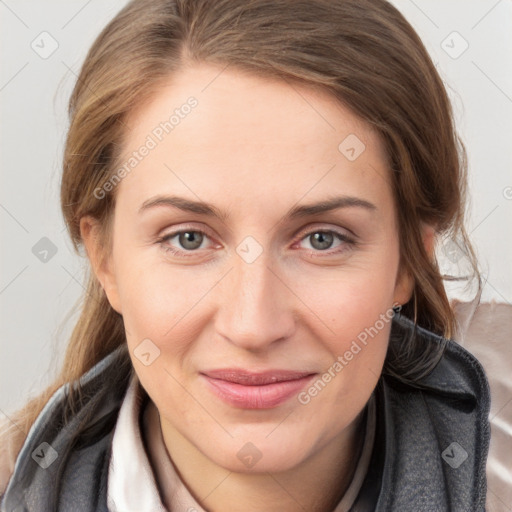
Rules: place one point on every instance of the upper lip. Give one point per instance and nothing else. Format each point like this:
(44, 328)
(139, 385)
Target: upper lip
(248, 378)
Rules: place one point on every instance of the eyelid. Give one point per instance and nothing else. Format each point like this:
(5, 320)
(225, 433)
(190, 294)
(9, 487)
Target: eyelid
(313, 228)
(346, 242)
(188, 227)
(300, 234)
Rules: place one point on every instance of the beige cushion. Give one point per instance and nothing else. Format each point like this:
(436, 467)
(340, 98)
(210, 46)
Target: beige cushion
(486, 331)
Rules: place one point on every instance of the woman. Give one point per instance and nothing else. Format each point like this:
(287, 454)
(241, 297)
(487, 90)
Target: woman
(259, 187)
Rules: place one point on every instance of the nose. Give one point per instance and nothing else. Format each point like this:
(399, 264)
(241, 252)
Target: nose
(256, 308)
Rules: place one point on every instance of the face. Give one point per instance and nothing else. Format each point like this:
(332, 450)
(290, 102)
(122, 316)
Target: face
(234, 272)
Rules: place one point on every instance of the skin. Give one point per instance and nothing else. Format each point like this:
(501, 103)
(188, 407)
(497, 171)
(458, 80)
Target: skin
(254, 148)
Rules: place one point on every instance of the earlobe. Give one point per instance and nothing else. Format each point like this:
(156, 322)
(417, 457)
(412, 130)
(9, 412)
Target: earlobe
(101, 263)
(404, 287)
(428, 235)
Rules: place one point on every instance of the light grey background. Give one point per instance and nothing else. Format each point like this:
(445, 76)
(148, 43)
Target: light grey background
(36, 296)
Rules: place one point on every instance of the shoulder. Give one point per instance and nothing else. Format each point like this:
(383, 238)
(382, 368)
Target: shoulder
(457, 389)
(74, 441)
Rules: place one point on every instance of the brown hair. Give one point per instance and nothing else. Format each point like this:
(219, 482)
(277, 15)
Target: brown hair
(362, 52)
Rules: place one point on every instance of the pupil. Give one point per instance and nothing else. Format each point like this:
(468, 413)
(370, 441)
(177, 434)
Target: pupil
(187, 239)
(322, 240)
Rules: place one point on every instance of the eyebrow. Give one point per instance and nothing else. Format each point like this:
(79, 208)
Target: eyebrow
(296, 212)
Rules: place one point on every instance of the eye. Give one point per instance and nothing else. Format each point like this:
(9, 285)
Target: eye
(322, 240)
(184, 241)
(187, 241)
(190, 240)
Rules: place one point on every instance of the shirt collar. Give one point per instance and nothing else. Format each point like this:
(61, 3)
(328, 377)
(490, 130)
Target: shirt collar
(131, 483)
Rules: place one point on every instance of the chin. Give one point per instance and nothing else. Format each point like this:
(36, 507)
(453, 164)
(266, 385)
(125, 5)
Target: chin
(258, 456)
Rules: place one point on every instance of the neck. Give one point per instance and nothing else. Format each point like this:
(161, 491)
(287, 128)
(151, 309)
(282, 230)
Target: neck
(316, 485)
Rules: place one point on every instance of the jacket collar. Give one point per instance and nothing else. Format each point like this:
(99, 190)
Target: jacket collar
(430, 449)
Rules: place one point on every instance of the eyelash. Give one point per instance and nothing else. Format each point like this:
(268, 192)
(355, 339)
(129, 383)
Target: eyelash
(183, 253)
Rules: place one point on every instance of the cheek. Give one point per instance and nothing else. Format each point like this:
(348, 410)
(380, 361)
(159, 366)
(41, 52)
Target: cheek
(161, 310)
(357, 350)
(355, 306)
(350, 299)
(163, 304)
(359, 339)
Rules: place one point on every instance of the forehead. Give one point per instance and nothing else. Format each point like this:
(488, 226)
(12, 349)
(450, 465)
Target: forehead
(210, 129)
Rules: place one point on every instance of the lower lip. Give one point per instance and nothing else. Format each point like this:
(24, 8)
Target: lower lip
(256, 397)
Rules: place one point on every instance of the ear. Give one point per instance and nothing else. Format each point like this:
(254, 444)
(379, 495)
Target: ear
(405, 281)
(404, 286)
(101, 262)
(428, 235)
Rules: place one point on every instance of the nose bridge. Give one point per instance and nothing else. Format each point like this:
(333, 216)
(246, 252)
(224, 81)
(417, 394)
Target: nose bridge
(255, 311)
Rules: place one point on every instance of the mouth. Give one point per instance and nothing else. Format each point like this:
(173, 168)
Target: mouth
(249, 390)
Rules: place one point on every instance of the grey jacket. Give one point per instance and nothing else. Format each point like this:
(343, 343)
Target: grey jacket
(429, 455)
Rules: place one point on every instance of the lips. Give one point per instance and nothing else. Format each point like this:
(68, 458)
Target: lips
(255, 390)
(255, 379)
